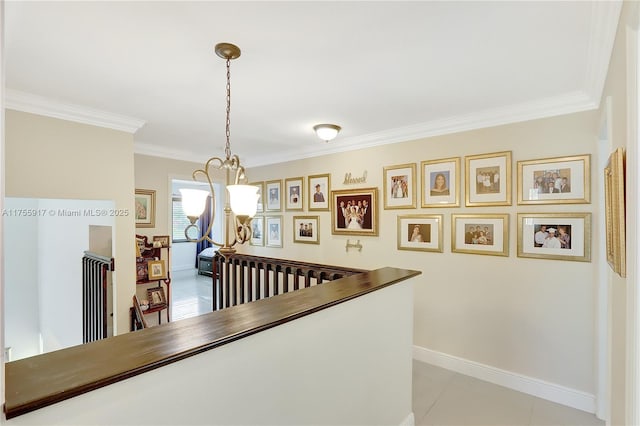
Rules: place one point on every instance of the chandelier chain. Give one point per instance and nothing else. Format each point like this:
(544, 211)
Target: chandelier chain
(227, 148)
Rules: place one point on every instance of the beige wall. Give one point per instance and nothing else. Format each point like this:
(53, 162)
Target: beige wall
(616, 89)
(528, 316)
(51, 158)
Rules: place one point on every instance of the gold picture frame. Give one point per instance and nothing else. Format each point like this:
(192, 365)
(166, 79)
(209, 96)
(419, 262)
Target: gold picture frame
(145, 208)
(273, 194)
(480, 234)
(488, 179)
(257, 231)
(400, 186)
(274, 231)
(555, 236)
(354, 211)
(559, 180)
(306, 229)
(318, 192)
(420, 232)
(260, 202)
(434, 172)
(165, 240)
(157, 269)
(294, 193)
(614, 196)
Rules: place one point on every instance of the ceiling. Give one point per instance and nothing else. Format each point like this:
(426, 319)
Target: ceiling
(386, 71)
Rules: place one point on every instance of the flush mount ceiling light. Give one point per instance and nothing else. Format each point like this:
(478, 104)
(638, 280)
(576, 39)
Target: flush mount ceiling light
(327, 132)
(242, 200)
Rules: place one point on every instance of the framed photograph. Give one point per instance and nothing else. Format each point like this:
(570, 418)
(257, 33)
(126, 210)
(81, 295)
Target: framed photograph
(614, 205)
(164, 240)
(441, 182)
(142, 270)
(260, 186)
(480, 234)
(319, 187)
(273, 189)
(294, 190)
(354, 211)
(274, 231)
(156, 297)
(561, 180)
(488, 179)
(420, 232)
(557, 236)
(306, 229)
(145, 205)
(257, 231)
(157, 270)
(400, 186)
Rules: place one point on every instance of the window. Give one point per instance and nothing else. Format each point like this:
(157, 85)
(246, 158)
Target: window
(180, 221)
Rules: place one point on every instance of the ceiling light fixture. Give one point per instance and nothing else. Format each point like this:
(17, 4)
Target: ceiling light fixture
(327, 132)
(242, 199)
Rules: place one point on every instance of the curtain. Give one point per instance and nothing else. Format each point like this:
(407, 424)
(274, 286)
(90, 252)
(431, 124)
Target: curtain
(205, 219)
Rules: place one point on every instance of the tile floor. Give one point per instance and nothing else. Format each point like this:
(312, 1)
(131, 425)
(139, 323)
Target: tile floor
(440, 397)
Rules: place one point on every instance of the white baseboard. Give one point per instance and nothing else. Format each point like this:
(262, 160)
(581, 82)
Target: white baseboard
(550, 391)
(409, 420)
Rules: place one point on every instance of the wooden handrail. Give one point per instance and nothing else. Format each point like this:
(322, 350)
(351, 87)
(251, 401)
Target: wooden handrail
(242, 278)
(39, 381)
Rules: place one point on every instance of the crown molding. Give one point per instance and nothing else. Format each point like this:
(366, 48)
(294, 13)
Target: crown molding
(34, 104)
(605, 16)
(549, 107)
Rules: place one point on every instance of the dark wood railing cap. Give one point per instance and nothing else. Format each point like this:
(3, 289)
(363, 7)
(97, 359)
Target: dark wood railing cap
(42, 380)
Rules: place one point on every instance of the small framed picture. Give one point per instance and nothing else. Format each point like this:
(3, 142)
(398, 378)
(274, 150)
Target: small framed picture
(306, 229)
(260, 186)
(557, 236)
(142, 270)
(488, 179)
(420, 232)
(294, 190)
(145, 208)
(441, 182)
(480, 234)
(400, 186)
(614, 206)
(319, 187)
(274, 231)
(157, 270)
(273, 189)
(561, 180)
(354, 211)
(164, 240)
(257, 231)
(156, 297)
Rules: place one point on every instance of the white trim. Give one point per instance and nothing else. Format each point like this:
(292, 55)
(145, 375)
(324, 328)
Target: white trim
(174, 154)
(409, 420)
(536, 387)
(34, 104)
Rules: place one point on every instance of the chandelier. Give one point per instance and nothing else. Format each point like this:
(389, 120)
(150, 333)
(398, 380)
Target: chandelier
(242, 198)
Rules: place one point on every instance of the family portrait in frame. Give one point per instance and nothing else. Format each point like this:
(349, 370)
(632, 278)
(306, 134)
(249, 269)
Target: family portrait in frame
(555, 236)
(354, 211)
(400, 186)
(480, 234)
(488, 179)
(557, 180)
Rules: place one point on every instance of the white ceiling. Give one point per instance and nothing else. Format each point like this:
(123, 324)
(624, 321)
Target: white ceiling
(386, 71)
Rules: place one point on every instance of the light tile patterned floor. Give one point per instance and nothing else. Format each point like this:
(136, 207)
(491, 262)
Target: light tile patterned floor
(440, 397)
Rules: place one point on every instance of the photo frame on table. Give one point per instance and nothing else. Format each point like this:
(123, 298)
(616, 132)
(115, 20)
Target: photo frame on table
(145, 208)
(318, 190)
(257, 231)
(560, 180)
(157, 269)
(306, 229)
(400, 186)
(556, 236)
(488, 179)
(273, 194)
(614, 203)
(294, 192)
(164, 240)
(273, 229)
(354, 211)
(480, 234)
(156, 297)
(440, 182)
(420, 232)
(260, 202)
